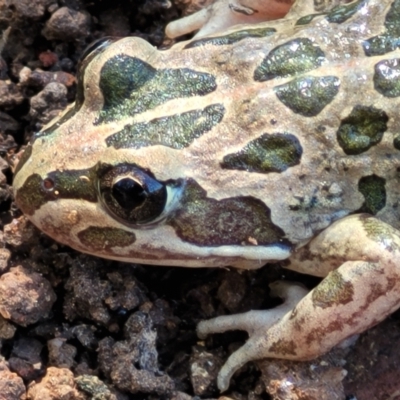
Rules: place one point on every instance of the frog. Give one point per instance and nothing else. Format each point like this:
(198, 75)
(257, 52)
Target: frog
(275, 141)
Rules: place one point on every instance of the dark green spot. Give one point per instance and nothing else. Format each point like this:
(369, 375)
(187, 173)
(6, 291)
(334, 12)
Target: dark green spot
(131, 86)
(96, 238)
(342, 13)
(74, 184)
(294, 57)
(268, 153)
(390, 39)
(380, 45)
(241, 220)
(308, 95)
(372, 187)
(387, 77)
(176, 131)
(30, 197)
(362, 129)
(332, 291)
(396, 142)
(338, 14)
(381, 232)
(307, 19)
(232, 37)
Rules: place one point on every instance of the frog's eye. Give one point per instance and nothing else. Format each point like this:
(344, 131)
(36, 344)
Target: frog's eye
(132, 195)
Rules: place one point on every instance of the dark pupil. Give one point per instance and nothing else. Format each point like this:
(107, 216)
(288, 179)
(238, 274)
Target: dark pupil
(128, 193)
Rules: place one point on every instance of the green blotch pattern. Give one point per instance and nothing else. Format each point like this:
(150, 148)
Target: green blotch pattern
(308, 95)
(390, 39)
(67, 185)
(176, 131)
(338, 14)
(342, 13)
(96, 238)
(362, 129)
(332, 291)
(372, 187)
(291, 58)
(131, 86)
(268, 153)
(30, 196)
(205, 221)
(232, 37)
(381, 233)
(387, 77)
(307, 19)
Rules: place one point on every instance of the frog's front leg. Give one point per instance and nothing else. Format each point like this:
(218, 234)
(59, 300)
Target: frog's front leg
(222, 14)
(360, 257)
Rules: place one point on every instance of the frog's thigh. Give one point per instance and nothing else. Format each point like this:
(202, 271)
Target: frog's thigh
(362, 290)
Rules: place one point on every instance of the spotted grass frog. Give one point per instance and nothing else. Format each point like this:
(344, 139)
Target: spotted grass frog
(263, 142)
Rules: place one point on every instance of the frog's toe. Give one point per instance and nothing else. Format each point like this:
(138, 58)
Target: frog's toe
(187, 24)
(256, 323)
(248, 352)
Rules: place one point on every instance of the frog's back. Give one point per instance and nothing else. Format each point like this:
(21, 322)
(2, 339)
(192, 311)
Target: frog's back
(309, 121)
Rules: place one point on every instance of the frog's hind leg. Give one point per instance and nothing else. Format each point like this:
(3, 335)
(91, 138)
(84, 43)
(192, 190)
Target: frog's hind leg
(360, 257)
(251, 322)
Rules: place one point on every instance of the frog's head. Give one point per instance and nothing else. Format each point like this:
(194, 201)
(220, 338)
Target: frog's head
(112, 176)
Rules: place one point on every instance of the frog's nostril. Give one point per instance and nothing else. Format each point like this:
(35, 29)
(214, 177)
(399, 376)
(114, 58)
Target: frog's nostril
(48, 184)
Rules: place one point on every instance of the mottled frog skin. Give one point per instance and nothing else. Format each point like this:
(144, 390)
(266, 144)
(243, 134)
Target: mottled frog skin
(264, 142)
